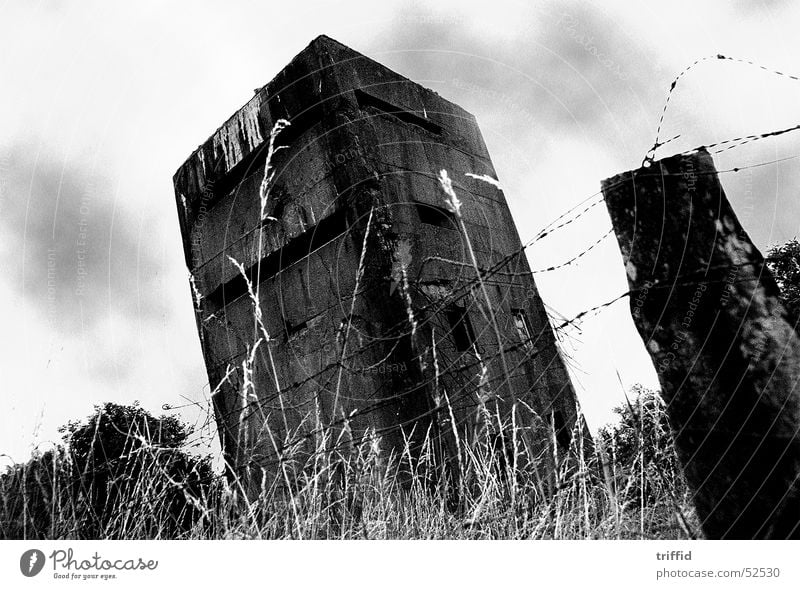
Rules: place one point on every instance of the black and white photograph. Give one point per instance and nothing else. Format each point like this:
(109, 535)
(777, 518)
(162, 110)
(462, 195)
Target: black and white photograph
(403, 277)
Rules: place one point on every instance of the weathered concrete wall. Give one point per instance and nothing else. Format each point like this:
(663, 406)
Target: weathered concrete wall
(708, 311)
(364, 148)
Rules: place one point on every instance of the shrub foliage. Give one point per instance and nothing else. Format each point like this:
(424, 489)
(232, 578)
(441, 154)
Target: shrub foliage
(119, 470)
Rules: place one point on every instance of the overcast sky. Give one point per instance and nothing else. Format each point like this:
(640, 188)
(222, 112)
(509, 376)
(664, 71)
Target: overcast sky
(100, 102)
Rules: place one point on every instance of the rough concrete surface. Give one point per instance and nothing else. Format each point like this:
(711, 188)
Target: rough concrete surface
(361, 269)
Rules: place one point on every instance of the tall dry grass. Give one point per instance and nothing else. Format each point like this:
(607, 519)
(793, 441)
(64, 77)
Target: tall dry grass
(360, 495)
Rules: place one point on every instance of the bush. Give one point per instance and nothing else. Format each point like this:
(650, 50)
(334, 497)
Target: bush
(642, 451)
(30, 494)
(122, 472)
(784, 262)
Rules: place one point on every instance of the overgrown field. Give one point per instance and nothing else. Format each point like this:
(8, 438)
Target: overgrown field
(124, 474)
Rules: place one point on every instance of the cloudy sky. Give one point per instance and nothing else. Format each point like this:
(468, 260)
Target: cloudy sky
(102, 101)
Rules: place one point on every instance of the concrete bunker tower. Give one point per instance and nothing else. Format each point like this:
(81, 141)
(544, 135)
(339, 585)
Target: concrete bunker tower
(372, 317)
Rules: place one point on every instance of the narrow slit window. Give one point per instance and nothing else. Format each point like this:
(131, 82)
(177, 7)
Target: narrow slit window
(460, 328)
(368, 100)
(523, 328)
(294, 329)
(295, 250)
(436, 216)
(563, 433)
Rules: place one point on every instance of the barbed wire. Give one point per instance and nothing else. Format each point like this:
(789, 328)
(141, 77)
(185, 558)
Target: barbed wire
(566, 218)
(650, 155)
(466, 391)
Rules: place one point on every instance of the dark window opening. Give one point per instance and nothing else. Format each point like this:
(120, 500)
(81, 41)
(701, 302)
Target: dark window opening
(460, 328)
(365, 100)
(523, 327)
(295, 250)
(437, 216)
(290, 214)
(563, 433)
(292, 330)
(276, 214)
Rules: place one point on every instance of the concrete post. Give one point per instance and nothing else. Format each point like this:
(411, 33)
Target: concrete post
(708, 310)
